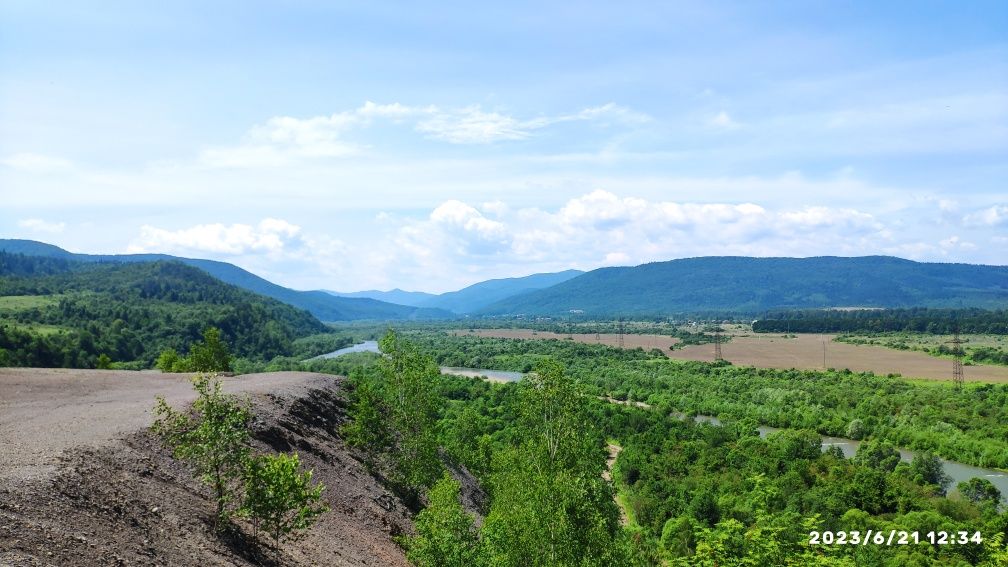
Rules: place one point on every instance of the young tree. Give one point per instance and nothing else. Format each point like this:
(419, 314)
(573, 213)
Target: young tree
(209, 355)
(169, 361)
(213, 438)
(978, 490)
(104, 362)
(446, 534)
(411, 395)
(550, 503)
(280, 497)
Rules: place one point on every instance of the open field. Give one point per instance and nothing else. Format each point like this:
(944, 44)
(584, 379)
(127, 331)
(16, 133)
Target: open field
(12, 303)
(805, 351)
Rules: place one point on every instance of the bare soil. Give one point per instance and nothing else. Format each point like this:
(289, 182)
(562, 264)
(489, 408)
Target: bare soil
(85, 484)
(774, 351)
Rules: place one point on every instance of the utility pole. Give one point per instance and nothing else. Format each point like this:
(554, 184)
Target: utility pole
(957, 363)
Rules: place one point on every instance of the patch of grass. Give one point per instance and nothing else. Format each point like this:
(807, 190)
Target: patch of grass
(15, 303)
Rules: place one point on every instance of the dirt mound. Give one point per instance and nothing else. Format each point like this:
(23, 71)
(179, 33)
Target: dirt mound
(127, 502)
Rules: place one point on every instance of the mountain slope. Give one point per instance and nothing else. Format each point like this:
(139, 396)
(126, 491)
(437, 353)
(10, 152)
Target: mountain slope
(319, 303)
(752, 285)
(398, 296)
(57, 312)
(480, 295)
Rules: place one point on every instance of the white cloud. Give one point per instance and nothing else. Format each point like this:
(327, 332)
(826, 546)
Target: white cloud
(601, 228)
(723, 120)
(996, 215)
(269, 236)
(36, 163)
(39, 225)
(286, 140)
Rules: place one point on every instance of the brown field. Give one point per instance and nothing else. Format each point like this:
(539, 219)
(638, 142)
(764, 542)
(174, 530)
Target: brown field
(774, 351)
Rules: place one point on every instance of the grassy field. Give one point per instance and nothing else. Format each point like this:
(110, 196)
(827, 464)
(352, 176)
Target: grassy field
(934, 345)
(15, 303)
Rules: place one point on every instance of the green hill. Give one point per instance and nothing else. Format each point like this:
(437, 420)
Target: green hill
(754, 285)
(59, 312)
(322, 305)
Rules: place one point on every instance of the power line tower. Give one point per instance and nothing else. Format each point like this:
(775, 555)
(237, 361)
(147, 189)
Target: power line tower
(957, 361)
(717, 345)
(621, 332)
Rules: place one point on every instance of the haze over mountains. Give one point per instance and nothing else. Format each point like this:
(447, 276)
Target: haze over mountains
(693, 285)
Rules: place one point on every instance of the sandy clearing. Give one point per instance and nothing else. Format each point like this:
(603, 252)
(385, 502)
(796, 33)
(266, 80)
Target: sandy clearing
(773, 351)
(45, 411)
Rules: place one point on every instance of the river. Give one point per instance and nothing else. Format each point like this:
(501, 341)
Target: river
(957, 471)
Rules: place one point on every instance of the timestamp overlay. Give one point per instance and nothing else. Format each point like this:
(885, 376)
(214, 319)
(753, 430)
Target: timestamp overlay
(894, 537)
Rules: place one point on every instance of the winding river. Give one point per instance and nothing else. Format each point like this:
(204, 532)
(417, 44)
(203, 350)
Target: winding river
(957, 471)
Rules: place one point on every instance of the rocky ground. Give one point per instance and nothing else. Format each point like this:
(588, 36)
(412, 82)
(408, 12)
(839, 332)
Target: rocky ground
(116, 497)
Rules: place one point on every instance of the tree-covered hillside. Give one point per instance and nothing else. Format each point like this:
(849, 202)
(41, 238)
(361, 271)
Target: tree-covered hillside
(322, 305)
(753, 285)
(55, 312)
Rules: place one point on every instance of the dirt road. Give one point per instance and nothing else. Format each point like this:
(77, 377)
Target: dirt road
(45, 411)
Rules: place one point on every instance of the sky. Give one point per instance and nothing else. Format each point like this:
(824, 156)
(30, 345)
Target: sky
(427, 146)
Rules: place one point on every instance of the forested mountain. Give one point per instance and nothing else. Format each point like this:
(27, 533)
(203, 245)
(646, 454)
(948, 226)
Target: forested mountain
(398, 296)
(319, 303)
(58, 312)
(477, 296)
(754, 285)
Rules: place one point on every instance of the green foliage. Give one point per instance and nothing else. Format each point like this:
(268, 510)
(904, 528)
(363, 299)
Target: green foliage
(410, 386)
(104, 362)
(912, 320)
(704, 495)
(280, 497)
(927, 468)
(877, 455)
(446, 534)
(394, 410)
(550, 504)
(726, 284)
(135, 312)
(209, 355)
(979, 490)
(213, 438)
(169, 361)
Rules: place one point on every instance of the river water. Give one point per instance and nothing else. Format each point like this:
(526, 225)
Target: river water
(957, 471)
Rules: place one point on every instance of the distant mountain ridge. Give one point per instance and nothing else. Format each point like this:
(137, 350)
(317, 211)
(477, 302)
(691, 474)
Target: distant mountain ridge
(752, 285)
(472, 298)
(411, 298)
(322, 305)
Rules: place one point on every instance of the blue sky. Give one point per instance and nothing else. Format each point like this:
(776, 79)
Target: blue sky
(372, 145)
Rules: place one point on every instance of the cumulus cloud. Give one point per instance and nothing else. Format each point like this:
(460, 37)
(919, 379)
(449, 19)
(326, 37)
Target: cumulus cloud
(39, 225)
(996, 215)
(601, 228)
(269, 236)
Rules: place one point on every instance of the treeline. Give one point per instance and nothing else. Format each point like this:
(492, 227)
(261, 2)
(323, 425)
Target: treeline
(917, 320)
(133, 312)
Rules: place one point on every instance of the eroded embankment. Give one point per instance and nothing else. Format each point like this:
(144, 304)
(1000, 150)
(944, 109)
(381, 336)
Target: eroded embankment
(127, 502)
